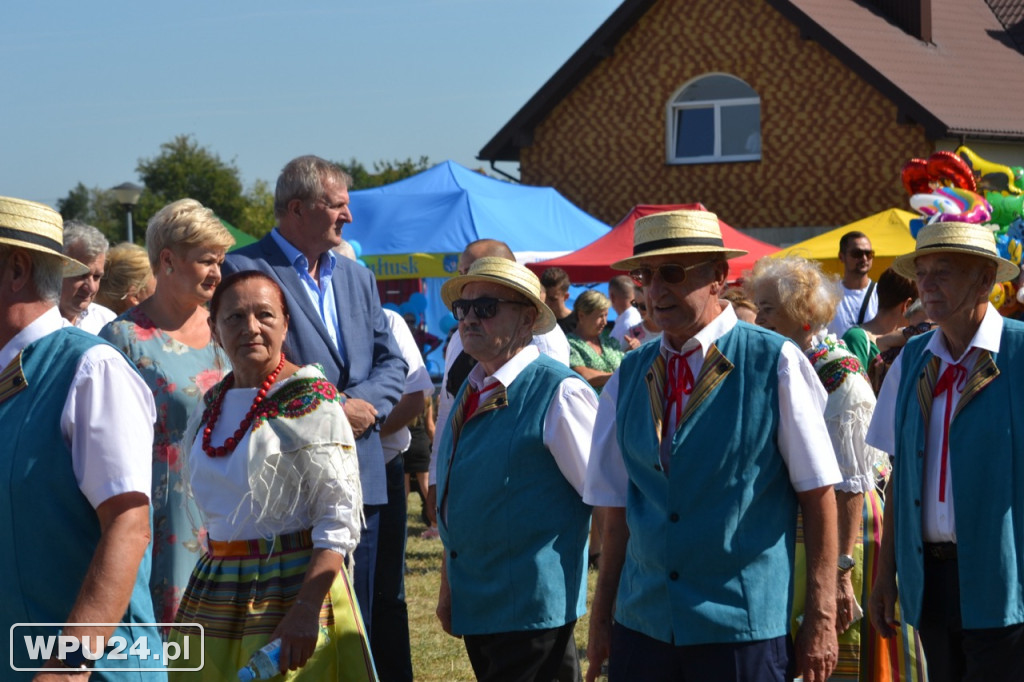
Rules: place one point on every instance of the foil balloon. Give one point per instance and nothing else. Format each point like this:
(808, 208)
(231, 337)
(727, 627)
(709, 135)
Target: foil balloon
(941, 169)
(991, 177)
(952, 204)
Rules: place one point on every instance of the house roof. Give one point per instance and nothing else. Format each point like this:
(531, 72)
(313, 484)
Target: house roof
(968, 81)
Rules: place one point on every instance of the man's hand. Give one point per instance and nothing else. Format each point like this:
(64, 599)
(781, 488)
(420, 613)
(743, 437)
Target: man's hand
(361, 415)
(598, 644)
(882, 605)
(845, 600)
(817, 649)
(444, 601)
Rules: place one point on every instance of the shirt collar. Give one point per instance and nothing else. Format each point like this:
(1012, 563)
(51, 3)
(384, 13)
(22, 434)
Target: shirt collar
(508, 372)
(298, 259)
(987, 337)
(706, 337)
(47, 323)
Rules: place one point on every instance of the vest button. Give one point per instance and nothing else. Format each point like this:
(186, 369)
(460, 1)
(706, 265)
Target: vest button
(917, 503)
(674, 575)
(657, 467)
(673, 517)
(920, 453)
(920, 551)
(455, 554)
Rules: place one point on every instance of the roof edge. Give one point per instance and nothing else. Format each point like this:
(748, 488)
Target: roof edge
(518, 132)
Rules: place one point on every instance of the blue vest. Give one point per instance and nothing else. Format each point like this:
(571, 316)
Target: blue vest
(48, 527)
(516, 530)
(986, 461)
(710, 551)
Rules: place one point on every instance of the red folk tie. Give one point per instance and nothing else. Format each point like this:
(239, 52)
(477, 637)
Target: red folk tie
(679, 383)
(473, 401)
(952, 379)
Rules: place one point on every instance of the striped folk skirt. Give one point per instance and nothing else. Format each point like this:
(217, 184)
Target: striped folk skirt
(864, 655)
(239, 592)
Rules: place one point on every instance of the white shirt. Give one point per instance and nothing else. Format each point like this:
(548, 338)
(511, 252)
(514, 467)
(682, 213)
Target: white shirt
(849, 309)
(417, 380)
(568, 422)
(107, 420)
(803, 439)
(629, 318)
(938, 519)
(94, 318)
(553, 344)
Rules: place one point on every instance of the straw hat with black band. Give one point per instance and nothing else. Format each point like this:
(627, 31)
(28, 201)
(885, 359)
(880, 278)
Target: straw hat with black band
(36, 227)
(676, 232)
(955, 237)
(509, 274)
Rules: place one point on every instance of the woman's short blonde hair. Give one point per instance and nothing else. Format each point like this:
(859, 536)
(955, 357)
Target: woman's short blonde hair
(806, 293)
(182, 225)
(126, 272)
(589, 301)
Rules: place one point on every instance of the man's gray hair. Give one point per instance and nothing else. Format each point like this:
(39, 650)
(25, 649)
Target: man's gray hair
(77, 233)
(304, 178)
(47, 272)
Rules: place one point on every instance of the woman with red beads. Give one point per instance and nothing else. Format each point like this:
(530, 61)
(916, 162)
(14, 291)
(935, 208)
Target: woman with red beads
(273, 471)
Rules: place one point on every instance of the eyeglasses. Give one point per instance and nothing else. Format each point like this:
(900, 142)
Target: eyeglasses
(860, 253)
(642, 307)
(484, 308)
(670, 273)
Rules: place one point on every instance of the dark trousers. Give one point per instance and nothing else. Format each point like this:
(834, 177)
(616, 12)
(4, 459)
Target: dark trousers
(635, 656)
(525, 656)
(954, 654)
(389, 640)
(365, 558)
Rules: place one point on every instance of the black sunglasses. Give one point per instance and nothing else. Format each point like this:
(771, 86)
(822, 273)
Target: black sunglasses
(484, 307)
(860, 253)
(669, 273)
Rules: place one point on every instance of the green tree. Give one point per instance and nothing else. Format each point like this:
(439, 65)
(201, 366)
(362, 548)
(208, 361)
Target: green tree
(96, 207)
(184, 169)
(258, 215)
(384, 172)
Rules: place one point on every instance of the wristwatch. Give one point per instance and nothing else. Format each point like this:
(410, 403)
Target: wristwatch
(846, 562)
(76, 660)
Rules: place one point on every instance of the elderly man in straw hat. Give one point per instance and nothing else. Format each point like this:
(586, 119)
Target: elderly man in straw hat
(75, 485)
(510, 478)
(954, 520)
(704, 446)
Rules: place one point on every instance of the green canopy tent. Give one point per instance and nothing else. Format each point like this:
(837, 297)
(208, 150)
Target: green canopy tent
(241, 238)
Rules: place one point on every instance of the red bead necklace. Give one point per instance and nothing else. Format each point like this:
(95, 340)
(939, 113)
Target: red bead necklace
(232, 442)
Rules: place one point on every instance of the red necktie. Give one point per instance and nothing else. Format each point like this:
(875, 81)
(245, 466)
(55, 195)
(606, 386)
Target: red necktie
(952, 379)
(679, 383)
(473, 401)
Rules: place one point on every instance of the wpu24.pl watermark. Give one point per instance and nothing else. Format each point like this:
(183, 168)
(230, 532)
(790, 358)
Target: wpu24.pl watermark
(33, 644)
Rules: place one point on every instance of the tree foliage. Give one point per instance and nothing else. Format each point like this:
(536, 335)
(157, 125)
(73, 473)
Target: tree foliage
(96, 207)
(384, 172)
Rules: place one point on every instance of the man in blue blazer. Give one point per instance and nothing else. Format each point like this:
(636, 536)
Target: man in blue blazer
(337, 321)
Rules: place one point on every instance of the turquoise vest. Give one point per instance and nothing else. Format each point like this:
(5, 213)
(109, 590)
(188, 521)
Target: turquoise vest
(986, 460)
(710, 551)
(516, 530)
(49, 529)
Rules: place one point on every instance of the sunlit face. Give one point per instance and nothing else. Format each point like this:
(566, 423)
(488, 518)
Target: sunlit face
(771, 314)
(591, 324)
(858, 256)
(951, 283)
(78, 292)
(683, 309)
(320, 223)
(251, 325)
(555, 298)
(195, 272)
(494, 340)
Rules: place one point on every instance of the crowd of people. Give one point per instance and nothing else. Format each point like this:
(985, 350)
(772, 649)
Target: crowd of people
(795, 475)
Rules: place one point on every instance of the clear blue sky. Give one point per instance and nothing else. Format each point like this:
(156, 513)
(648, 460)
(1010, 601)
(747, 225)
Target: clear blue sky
(90, 88)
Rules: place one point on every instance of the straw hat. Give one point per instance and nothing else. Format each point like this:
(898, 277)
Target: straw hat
(509, 274)
(36, 227)
(954, 237)
(686, 231)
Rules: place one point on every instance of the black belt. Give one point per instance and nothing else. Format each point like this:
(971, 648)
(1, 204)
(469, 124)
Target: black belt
(943, 551)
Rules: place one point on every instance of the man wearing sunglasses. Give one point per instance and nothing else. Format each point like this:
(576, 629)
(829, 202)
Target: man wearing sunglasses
(860, 300)
(511, 465)
(704, 445)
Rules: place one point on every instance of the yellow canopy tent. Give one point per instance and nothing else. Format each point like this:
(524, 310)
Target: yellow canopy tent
(889, 232)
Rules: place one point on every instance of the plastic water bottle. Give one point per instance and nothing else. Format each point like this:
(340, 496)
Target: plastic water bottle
(266, 663)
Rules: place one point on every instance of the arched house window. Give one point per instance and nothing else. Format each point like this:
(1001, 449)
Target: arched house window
(715, 118)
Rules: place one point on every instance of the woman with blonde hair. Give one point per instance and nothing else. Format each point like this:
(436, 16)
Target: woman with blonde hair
(593, 355)
(127, 279)
(167, 336)
(796, 299)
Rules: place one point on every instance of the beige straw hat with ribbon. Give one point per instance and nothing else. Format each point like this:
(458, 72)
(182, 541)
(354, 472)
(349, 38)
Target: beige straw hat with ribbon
(36, 227)
(509, 274)
(954, 237)
(685, 231)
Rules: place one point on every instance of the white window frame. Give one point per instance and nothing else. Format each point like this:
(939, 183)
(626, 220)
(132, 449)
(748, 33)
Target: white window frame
(672, 118)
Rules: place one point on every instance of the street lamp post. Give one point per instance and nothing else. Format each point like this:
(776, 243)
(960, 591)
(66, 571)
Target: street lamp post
(127, 194)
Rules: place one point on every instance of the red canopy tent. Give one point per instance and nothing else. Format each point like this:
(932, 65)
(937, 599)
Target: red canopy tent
(590, 263)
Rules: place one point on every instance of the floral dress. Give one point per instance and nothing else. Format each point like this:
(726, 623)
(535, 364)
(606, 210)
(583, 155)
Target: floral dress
(178, 375)
(582, 355)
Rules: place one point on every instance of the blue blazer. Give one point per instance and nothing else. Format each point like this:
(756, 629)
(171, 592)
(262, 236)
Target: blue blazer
(373, 369)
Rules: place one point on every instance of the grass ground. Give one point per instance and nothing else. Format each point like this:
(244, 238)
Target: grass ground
(436, 656)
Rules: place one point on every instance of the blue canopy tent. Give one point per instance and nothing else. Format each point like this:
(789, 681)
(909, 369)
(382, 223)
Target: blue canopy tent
(417, 227)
